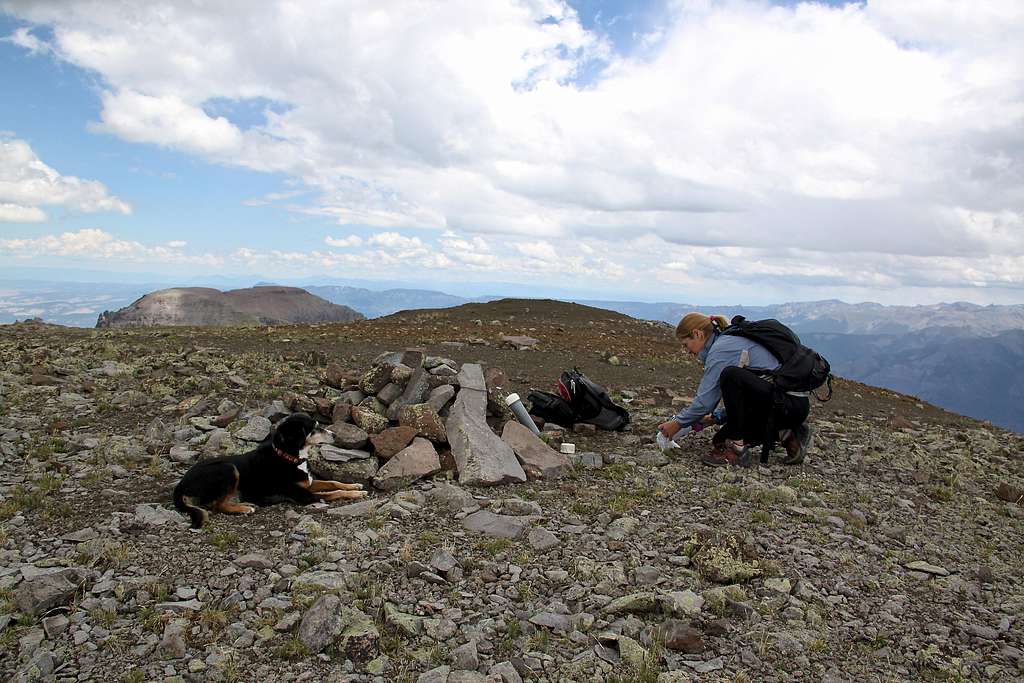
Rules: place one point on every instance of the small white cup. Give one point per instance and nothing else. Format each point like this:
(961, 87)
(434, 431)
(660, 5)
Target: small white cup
(568, 448)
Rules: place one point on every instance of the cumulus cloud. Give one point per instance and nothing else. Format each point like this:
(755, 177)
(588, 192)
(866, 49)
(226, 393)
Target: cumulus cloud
(394, 240)
(93, 243)
(872, 145)
(14, 213)
(26, 184)
(344, 242)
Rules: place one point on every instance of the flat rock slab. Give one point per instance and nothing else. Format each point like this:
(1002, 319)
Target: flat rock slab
(553, 621)
(451, 498)
(335, 454)
(254, 560)
(481, 458)
(327, 580)
(155, 515)
(538, 460)
(43, 593)
(256, 429)
(192, 605)
(682, 603)
(541, 539)
(419, 459)
(926, 568)
(705, 667)
(501, 526)
(363, 508)
(519, 342)
(471, 376)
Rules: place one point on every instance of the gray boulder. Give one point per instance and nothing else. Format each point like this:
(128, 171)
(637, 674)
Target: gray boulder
(417, 460)
(415, 392)
(539, 460)
(481, 458)
(331, 625)
(355, 470)
(42, 593)
(348, 435)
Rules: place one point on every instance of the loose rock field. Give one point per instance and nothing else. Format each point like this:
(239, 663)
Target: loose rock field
(895, 553)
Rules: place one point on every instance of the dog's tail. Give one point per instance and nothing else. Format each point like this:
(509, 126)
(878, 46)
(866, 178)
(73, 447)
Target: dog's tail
(187, 504)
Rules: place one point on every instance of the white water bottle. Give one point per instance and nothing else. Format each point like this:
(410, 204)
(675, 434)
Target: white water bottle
(519, 410)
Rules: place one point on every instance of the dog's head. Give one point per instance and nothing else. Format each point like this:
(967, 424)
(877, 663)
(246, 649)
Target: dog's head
(292, 432)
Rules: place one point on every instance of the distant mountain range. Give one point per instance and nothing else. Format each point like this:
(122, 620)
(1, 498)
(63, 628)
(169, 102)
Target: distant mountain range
(374, 304)
(843, 318)
(978, 376)
(961, 356)
(271, 305)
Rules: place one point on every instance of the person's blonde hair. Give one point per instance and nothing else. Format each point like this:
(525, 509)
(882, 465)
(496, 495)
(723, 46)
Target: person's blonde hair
(692, 322)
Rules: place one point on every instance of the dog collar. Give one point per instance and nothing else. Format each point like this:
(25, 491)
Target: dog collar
(293, 459)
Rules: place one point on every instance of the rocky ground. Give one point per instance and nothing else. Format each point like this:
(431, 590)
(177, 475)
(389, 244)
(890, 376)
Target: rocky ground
(894, 553)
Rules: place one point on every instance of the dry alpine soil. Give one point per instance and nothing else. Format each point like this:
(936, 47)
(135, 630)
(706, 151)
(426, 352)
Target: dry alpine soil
(894, 553)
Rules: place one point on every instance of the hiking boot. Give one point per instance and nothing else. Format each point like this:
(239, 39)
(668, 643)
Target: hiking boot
(724, 456)
(798, 443)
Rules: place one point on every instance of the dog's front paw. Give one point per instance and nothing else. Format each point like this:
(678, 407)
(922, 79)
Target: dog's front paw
(249, 509)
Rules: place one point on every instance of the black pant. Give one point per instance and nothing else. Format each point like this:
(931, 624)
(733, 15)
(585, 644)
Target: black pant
(749, 400)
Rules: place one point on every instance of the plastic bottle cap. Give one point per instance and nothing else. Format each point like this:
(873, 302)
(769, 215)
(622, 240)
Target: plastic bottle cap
(511, 398)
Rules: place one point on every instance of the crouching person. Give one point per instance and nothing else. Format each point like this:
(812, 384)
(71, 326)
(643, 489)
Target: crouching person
(735, 374)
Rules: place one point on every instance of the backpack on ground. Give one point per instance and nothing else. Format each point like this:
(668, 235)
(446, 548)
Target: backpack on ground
(801, 370)
(590, 402)
(551, 408)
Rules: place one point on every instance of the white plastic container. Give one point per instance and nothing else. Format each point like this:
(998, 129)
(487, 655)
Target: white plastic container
(519, 410)
(666, 444)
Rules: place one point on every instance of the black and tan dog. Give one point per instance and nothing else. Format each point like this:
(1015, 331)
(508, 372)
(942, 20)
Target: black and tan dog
(273, 472)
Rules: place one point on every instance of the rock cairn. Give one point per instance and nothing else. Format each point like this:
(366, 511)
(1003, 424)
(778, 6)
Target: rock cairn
(411, 416)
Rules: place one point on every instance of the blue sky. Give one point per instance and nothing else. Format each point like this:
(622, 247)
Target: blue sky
(692, 150)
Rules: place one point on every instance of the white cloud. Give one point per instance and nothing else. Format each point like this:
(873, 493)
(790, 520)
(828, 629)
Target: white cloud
(22, 37)
(344, 242)
(541, 251)
(394, 240)
(26, 184)
(849, 134)
(14, 213)
(93, 243)
(169, 121)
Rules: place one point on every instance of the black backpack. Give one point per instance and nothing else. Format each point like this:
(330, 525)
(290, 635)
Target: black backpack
(800, 368)
(590, 402)
(551, 408)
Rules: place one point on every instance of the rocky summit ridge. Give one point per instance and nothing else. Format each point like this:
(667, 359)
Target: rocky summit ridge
(893, 553)
(265, 305)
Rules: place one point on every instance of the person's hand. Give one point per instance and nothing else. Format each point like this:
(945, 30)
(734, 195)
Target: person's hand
(669, 428)
(707, 420)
